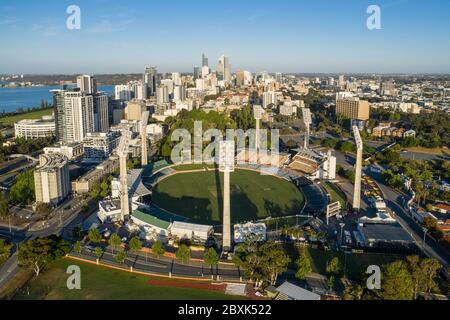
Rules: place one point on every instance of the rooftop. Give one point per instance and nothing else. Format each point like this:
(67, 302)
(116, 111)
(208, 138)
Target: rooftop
(289, 291)
(392, 232)
(150, 219)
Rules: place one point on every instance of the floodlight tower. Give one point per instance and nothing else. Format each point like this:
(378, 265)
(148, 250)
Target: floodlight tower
(144, 150)
(307, 120)
(257, 113)
(226, 165)
(358, 169)
(122, 152)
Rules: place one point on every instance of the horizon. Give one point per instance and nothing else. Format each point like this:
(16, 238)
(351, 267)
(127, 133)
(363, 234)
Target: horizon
(311, 38)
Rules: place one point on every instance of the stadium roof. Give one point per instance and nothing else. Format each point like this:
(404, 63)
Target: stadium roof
(136, 188)
(151, 220)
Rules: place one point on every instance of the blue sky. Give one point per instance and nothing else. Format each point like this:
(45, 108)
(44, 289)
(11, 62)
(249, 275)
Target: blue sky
(272, 35)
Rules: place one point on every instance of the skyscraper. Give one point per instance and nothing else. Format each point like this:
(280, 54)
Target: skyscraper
(101, 117)
(205, 62)
(79, 115)
(59, 111)
(162, 94)
(87, 84)
(196, 72)
(224, 69)
(150, 82)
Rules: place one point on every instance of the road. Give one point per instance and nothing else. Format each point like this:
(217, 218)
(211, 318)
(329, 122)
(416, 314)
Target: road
(61, 219)
(395, 202)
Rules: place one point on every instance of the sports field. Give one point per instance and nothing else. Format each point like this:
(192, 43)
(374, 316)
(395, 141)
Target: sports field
(100, 283)
(198, 196)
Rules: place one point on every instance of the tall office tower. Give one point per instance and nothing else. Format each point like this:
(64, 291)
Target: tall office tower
(78, 116)
(226, 165)
(358, 169)
(138, 91)
(87, 84)
(248, 78)
(123, 92)
(101, 116)
(122, 152)
(59, 112)
(341, 80)
(307, 120)
(150, 82)
(162, 94)
(353, 108)
(240, 78)
(279, 77)
(269, 98)
(196, 72)
(144, 147)
(205, 61)
(51, 179)
(176, 78)
(224, 69)
(179, 93)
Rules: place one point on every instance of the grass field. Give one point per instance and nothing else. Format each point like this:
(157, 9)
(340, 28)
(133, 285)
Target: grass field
(100, 283)
(29, 115)
(198, 196)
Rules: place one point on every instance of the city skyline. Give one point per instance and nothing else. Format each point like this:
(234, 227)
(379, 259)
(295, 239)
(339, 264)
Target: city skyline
(322, 37)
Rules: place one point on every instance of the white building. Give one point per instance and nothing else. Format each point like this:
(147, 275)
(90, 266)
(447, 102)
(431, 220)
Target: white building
(123, 92)
(79, 115)
(35, 128)
(184, 230)
(87, 84)
(51, 179)
(242, 232)
(99, 146)
(71, 151)
(269, 98)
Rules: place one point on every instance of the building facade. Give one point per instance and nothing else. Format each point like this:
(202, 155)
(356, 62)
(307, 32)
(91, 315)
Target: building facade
(35, 128)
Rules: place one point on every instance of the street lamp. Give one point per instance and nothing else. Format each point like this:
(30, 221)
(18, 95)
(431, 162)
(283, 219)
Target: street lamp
(342, 225)
(425, 231)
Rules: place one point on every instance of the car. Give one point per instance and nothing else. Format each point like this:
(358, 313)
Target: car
(90, 248)
(124, 239)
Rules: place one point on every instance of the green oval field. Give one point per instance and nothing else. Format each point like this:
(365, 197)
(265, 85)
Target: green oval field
(198, 196)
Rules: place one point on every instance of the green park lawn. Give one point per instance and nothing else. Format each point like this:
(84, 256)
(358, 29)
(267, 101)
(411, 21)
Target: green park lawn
(29, 115)
(101, 283)
(198, 196)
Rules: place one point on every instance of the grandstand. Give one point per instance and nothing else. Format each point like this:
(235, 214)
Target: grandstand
(314, 164)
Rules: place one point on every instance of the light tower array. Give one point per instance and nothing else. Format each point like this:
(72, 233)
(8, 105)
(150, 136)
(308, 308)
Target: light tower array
(144, 149)
(122, 152)
(358, 169)
(257, 114)
(226, 165)
(307, 120)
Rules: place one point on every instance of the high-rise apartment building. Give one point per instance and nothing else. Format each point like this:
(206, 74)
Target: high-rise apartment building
(269, 98)
(79, 115)
(101, 116)
(134, 110)
(179, 93)
(123, 92)
(51, 179)
(353, 108)
(162, 94)
(87, 84)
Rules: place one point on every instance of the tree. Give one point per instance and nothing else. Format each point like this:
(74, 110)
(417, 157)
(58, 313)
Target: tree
(77, 247)
(304, 266)
(353, 293)
(5, 250)
(158, 249)
(76, 232)
(4, 206)
(120, 257)
(22, 191)
(95, 236)
(334, 267)
(423, 273)
(98, 252)
(211, 258)
(183, 254)
(114, 241)
(44, 208)
(35, 254)
(397, 282)
(135, 244)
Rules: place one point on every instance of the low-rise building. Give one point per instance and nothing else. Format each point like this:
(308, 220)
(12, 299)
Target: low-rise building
(99, 146)
(184, 230)
(35, 128)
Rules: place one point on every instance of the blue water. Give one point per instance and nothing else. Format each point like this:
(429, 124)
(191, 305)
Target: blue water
(12, 99)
